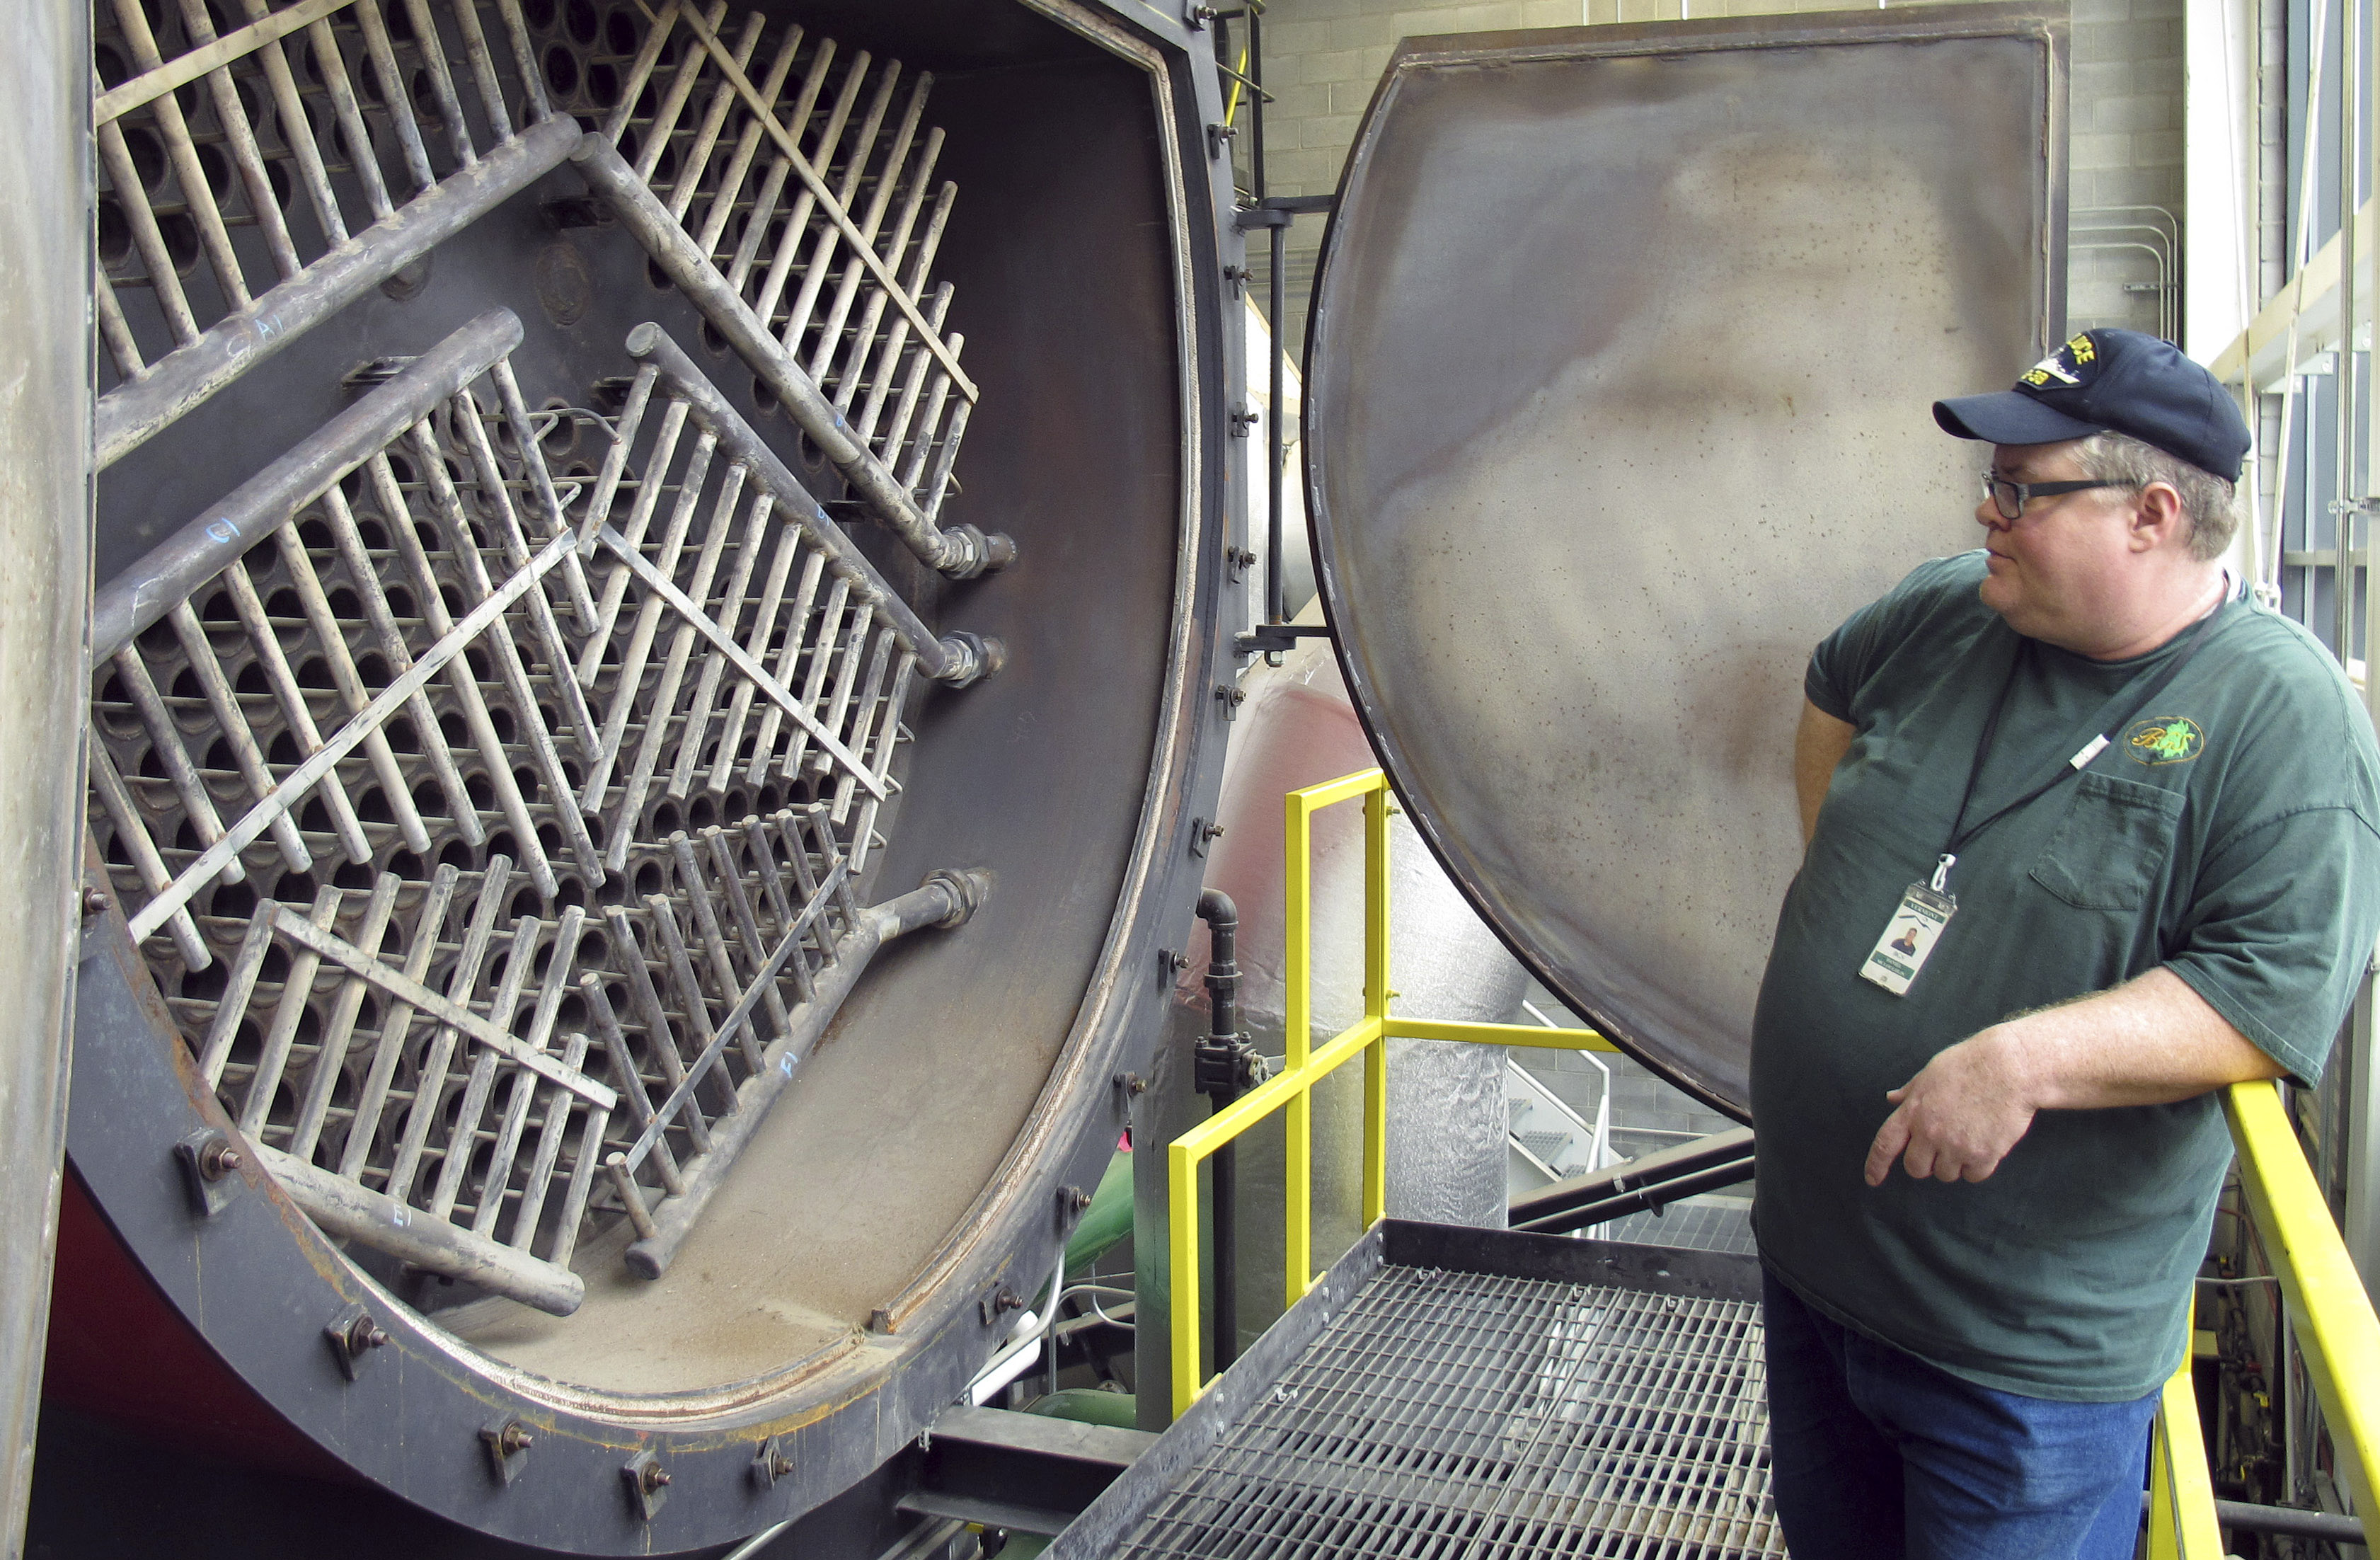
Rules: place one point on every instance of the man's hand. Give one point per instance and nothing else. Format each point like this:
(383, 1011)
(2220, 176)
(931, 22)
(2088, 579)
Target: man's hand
(2148, 1042)
(1957, 1119)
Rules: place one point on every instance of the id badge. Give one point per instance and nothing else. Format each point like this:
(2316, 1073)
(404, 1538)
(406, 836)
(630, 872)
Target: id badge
(1909, 938)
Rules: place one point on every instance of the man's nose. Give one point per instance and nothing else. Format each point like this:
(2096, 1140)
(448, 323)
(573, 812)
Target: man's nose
(1987, 515)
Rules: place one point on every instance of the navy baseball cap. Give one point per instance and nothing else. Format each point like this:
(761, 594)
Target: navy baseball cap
(2114, 381)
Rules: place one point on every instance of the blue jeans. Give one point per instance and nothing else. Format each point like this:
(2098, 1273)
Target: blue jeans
(1878, 1455)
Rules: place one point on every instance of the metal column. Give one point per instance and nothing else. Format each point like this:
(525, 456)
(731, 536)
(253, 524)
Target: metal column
(46, 261)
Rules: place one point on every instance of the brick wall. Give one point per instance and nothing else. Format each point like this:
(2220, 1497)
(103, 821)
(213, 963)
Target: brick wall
(1322, 58)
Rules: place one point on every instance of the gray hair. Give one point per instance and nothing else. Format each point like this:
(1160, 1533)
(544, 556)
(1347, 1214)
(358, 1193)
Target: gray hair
(2207, 501)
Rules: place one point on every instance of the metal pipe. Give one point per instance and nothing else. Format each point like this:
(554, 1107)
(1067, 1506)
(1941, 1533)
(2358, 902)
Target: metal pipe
(946, 899)
(344, 1211)
(1278, 286)
(186, 378)
(45, 516)
(957, 659)
(2351, 305)
(177, 566)
(2285, 1521)
(1658, 1177)
(1222, 1081)
(961, 551)
(1639, 1200)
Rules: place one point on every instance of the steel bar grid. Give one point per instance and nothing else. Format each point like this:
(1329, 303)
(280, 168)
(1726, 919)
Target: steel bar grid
(256, 179)
(808, 238)
(1479, 1416)
(783, 655)
(366, 735)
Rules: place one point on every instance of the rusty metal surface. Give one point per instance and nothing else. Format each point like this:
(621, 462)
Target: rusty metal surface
(1617, 402)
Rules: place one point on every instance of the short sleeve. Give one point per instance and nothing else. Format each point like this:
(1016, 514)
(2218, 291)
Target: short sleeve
(2280, 931)
(1845, 659)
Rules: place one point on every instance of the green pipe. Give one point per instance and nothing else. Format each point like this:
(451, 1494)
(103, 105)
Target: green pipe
(1107, 1221)
(1087, 1405)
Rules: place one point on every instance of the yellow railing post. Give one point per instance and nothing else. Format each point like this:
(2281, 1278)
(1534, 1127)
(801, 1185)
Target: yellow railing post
(2181, 1491)
(1376, 1004)
(1182, 1242)
(1297, 1011)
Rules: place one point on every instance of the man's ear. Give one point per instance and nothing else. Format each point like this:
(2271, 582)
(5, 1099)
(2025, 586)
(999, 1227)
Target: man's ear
(2158, 517)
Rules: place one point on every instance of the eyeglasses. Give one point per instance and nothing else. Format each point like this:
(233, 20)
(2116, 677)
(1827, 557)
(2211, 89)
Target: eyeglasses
(2009, 498)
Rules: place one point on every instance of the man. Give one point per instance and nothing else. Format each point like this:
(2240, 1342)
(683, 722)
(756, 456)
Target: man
(2089, 836)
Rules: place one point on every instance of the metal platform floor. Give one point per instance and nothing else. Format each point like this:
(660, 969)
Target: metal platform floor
(1457, 1393)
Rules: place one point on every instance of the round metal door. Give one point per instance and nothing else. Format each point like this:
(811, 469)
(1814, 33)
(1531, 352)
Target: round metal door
(1622, 347)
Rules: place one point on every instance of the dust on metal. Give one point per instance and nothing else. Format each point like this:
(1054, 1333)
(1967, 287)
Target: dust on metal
(499, 892)
(256, 181)
(812, 254)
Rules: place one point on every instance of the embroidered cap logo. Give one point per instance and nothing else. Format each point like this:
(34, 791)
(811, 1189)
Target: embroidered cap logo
(2164, 740)
(2071, 364)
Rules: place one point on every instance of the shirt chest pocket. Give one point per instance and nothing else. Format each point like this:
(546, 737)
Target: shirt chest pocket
(2112, 843)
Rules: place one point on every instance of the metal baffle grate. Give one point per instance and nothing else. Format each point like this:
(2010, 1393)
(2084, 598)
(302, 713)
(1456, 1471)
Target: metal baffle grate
(261, 167)
(435, 952)
(808, 692)
(1484, 1417)
(807, 233)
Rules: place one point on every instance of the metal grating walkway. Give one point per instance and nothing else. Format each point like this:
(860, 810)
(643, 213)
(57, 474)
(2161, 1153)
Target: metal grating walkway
(1490, 1416)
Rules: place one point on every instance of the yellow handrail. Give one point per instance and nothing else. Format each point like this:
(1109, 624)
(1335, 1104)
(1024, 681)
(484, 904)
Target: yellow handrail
(1292, 1090)
(2336, 1326)
(2336, 1331)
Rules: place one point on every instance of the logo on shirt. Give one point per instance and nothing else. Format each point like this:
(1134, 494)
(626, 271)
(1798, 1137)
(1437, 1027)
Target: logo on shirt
(2164, 740)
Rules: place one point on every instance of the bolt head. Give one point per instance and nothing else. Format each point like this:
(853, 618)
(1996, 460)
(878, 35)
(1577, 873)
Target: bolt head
(219, 1159)
(654, 1477)
(94, 901)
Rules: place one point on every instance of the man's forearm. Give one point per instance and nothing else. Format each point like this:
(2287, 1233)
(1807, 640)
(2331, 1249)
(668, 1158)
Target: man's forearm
(2148, 1042)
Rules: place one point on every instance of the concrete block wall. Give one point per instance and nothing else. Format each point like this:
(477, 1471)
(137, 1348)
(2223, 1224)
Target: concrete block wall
(1323, 57)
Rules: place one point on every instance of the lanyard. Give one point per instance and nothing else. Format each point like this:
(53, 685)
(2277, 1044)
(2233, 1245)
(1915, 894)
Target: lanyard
(1962, 832)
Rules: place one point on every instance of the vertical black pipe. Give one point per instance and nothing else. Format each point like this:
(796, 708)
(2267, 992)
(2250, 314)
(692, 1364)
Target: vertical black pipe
(1276, 239)
(1219, 1076)
(1279, 284)
(1255, 73)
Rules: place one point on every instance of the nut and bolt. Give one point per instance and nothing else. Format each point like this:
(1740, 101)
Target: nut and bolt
(363, 1333)
(653, 1477)
(94, 901)
(218, 1158)
(513, 1438)
(1075, 1198)
(780, 1464)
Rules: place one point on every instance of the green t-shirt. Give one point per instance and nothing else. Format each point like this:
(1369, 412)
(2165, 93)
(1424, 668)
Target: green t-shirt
(2227, 832)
